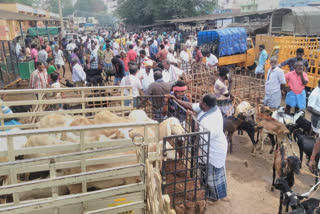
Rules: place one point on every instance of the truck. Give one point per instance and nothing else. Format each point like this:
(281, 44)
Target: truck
(284, 47)
(230, 45)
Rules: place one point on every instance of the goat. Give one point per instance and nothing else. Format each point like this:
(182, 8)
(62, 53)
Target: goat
(231, 124)
(285, 168)
(280, 116)
(306, 144)
(305, 125)
(292, 199)
(69, 84)
(288, 120)
(287, 197)
(20, 109)
(95, 80)
(273, 127)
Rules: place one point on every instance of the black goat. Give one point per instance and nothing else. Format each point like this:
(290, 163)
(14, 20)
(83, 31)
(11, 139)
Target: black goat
(69, 84)
(21, 109)
(231, 124)
(306, 144)
(248, 126)
(96, 80)
(309, 206)
(287, 197)
(305, 125)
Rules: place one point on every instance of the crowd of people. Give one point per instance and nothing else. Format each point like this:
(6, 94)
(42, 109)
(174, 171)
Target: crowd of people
(158, 64)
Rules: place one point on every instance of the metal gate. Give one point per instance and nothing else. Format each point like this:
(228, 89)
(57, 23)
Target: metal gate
(184, 167)
(9, 71)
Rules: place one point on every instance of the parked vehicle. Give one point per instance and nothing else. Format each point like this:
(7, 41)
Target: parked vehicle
(230, 45)
(285, 47)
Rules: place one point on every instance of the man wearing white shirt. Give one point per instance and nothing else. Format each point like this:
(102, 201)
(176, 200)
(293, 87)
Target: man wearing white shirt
(186, 58)
(134, 82)
(171, 73)
(146, 75)
(18, 49)
(71, 46)
(189, 43)
(116, 48)
(171, 57)
(211, 61)
(78, 74)
(210, 119)
(172, 41)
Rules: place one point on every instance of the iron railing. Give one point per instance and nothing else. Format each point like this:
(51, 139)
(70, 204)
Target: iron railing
(184, 168)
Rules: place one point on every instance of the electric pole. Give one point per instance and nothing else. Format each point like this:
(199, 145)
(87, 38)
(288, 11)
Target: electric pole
(61, 18)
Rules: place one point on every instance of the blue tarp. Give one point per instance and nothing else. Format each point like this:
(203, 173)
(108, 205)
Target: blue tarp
(12, 122)
(230, 41)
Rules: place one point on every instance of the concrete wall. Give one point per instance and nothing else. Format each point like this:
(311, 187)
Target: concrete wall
(9, 7)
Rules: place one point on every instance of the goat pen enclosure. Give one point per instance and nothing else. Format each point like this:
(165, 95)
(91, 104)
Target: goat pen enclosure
(129, 157)
(84, 101)
(151, 105)
(245, 86)
(184, 164)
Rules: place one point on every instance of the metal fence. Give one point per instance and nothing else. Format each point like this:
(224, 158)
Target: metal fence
(185, 161)
(9, 71)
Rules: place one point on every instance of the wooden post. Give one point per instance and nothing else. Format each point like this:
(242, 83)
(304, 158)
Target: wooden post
(13, 172)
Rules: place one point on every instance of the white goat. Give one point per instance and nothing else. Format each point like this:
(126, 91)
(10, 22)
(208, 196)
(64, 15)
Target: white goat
(286, 119)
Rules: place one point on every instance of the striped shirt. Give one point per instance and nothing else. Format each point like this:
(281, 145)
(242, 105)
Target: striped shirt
(39, 80)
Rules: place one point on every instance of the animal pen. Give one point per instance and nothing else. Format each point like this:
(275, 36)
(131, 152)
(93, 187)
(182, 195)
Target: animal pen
(180, 184)
(9, 70)
(245, 87)
(183, 171)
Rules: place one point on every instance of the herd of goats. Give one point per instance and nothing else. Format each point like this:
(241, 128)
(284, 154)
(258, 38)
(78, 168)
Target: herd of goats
(282, 129)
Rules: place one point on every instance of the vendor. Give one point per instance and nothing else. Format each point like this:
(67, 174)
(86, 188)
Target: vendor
(222, 92)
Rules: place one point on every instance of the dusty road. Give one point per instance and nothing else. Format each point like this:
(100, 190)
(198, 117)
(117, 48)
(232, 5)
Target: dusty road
(249, 187)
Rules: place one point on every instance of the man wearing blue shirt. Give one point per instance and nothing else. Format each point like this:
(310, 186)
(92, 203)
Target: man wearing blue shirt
(153, 49)
(262, 60)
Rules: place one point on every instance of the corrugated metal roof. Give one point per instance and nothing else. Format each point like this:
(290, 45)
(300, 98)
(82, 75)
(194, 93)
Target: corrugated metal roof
(21, 17)
(216, 16)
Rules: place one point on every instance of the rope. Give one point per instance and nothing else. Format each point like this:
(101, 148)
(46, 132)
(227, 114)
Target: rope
(309, 173)
(312, 190)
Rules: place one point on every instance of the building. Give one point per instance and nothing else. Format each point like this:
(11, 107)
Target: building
(249, 6)
(246, 5)
(314, 3)
(112, 5)
(16, 19)
(299, 3)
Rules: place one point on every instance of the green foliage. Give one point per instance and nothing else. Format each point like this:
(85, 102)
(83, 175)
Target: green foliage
(93, 6)
(67, 7)
(26, 2)
(143, 12)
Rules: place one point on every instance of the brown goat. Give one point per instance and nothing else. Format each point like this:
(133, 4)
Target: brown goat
(285, 167)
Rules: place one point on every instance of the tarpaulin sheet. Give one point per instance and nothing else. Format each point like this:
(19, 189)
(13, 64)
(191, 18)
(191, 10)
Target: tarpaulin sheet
(43, 31)
(300, 21)
(230, 41)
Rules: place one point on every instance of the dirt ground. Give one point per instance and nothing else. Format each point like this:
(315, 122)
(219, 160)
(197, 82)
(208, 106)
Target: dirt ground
(249, 184)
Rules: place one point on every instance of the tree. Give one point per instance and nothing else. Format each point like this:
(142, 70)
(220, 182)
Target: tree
(142, 12)
(132, 12)
(91, 6)
(53, 6)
